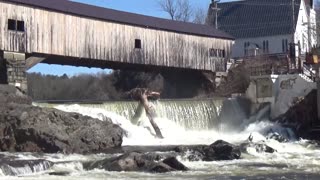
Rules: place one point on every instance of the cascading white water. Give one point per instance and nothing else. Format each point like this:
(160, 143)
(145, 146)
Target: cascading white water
(181, 122)
(189, 114)
(26, 168)
(194, 123)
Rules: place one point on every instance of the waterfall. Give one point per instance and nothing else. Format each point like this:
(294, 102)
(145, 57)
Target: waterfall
(191, 114)
(187, 121)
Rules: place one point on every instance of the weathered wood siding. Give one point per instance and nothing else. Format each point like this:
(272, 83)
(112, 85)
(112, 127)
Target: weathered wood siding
(49, 32)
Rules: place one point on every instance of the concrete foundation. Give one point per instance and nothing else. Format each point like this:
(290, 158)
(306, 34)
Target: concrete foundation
(289, 90)
(281, 91)
(260, 91)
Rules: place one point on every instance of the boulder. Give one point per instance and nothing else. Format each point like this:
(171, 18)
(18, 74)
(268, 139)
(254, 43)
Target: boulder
(135, 161)
(174, 163)
(26, 128)
(10, 94)
(276, 136)
(260, 147)
(219, 150)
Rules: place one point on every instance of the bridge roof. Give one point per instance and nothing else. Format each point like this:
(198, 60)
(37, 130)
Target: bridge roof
(106, 14)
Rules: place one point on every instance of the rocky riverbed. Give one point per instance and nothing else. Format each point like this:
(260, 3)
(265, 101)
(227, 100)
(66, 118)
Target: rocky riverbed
(49, 141)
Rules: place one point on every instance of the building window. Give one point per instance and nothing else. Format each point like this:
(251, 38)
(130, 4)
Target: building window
(246, 45)
(284, 45)
(20, 26)
(12, 25)
(137, 44)
(265, 46)
(212, 52)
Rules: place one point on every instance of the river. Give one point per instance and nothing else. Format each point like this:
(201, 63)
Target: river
(186, 123)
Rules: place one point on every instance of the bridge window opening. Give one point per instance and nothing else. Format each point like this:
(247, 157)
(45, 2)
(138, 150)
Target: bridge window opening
(212, 52)
(20, 26)
(217, 53)
(137, 44)
(12, 25)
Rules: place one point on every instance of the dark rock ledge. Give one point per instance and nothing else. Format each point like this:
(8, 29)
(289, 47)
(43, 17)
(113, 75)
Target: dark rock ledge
(141, 162)
(26, 128)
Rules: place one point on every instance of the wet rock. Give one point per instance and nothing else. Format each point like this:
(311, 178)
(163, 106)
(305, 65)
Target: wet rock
(22, 167)
(62, 173)
(161, 168)
(195, 155)
(136, 162)
(219, 150)
(276, 136)
(25, 128)
(174, 163)
(260, 147)
(10, 94)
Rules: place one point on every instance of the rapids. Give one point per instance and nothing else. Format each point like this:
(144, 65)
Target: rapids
(187, 123)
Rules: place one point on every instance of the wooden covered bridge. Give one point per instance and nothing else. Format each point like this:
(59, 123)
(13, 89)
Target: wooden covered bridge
(70, 33)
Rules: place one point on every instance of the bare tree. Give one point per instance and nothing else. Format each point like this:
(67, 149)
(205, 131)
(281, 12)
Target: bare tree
(179, 10)
(169, 6)
(184, 12)
(200, 16)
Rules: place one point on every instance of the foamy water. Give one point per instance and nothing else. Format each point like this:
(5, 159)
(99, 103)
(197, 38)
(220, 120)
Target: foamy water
(296, 159)
(174, 134)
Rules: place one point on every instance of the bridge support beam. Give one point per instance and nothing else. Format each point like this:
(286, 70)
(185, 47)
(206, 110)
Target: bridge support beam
(13, 70)
(32, 61)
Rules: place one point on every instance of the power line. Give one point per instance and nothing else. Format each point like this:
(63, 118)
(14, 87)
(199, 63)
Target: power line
(265, 23)
(258, 4)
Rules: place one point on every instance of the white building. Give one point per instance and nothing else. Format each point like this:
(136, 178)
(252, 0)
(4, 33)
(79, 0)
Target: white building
(267, 26)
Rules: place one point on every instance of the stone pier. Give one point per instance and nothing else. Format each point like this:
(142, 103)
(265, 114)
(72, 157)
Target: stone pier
(13, 70)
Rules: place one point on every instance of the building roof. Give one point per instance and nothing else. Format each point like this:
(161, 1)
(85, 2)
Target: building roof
(257, 18)
(111, 15)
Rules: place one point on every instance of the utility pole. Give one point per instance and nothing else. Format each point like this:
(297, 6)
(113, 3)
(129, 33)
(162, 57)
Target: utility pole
(293, 21)
(215, 11)
(292, 44)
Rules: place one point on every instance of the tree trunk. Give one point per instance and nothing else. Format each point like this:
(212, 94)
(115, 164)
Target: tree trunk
(142, 95)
